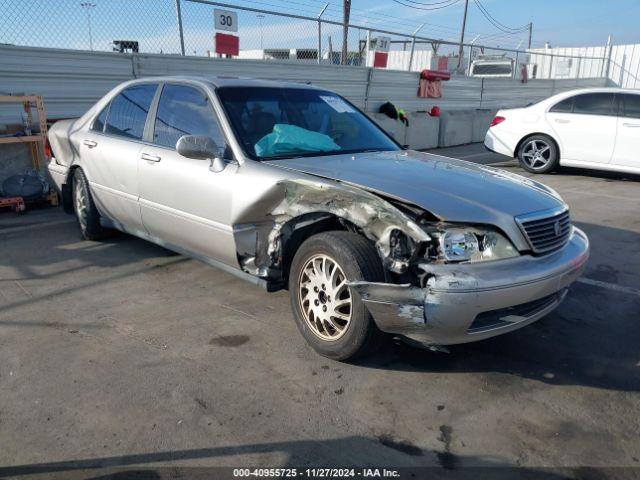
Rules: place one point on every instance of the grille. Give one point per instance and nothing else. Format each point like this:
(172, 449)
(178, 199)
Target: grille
(546, 231)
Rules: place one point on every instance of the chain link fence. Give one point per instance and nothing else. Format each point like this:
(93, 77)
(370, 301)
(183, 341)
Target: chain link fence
(154, 26)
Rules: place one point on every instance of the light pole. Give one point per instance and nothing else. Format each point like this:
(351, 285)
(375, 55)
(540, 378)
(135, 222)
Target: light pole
(87, 6)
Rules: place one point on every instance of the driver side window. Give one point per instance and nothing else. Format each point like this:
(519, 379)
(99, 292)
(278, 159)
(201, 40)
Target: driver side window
(184, 110)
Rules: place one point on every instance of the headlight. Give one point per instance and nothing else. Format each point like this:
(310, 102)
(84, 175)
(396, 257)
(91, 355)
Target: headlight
(473, 244)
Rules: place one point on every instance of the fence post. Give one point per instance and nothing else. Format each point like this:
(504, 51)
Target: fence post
(180, 31)
(413, 46)
(515, 67)
(319, 42)
(320, 33)
(609, 48)
(367, 88)
(367, 48)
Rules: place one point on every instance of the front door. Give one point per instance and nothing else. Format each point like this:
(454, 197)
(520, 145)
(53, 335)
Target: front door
(627, 150)
(182, 201)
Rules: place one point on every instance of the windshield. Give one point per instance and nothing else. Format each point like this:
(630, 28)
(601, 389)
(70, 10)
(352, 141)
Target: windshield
(290, 122)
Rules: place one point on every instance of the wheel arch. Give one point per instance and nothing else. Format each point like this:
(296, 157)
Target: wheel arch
(532, 134)
(304, 226)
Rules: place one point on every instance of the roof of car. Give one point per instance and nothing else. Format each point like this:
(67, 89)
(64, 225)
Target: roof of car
(226, 81)
(601, 90)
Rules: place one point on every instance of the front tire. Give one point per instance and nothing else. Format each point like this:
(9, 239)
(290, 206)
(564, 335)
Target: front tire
(538, 154)
(85, 208)
(330, 316)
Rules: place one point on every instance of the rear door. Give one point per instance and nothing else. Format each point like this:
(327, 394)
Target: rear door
(627, 149)
(183, 202)
(110, 152)
(586, 126)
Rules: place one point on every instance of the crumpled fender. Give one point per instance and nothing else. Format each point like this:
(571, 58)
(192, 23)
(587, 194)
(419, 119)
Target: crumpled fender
(259, 243)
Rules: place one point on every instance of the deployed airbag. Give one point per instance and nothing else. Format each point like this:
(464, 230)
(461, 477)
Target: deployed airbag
(291, 138)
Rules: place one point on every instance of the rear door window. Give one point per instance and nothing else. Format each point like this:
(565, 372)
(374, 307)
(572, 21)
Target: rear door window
(594, 104)
(631, 106)
(184, 110)
(565, 106)
(128, 112)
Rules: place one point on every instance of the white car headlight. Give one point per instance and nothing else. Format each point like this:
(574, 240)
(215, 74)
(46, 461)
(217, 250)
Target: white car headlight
(471, 244)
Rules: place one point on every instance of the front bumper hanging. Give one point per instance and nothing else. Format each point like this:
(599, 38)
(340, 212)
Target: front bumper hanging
(467, 302)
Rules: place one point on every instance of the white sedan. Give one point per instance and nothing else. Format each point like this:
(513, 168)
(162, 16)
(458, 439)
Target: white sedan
(595, 128)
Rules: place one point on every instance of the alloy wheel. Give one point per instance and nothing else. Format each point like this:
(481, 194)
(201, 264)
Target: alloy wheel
(325, 298)
(80, 200)
(536, 154)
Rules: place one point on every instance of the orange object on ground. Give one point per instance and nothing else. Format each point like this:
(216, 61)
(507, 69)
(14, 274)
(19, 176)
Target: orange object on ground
(16, 203)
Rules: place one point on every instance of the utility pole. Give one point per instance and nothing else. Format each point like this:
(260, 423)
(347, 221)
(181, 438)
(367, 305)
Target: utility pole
(87, 6)
(464, 24)
(530, 31)
(346, 11)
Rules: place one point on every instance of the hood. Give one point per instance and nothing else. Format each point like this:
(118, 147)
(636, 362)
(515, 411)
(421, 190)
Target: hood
(453, 190)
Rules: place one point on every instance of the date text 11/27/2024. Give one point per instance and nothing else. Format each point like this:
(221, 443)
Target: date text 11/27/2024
(315, 473)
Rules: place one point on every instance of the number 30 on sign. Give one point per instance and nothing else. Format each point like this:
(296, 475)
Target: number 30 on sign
(225, 20)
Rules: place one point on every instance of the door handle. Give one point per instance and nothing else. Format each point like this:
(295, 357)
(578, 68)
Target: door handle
(90, 143)
(151, 158)
(562, 120)
(631, 125)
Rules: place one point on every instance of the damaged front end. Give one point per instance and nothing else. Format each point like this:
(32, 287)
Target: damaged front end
(445, 283)
(464, 302)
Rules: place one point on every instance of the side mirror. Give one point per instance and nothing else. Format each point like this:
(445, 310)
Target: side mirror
(201, 147)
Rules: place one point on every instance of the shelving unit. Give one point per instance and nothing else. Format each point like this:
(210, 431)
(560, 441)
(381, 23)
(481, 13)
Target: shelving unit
(36, 142)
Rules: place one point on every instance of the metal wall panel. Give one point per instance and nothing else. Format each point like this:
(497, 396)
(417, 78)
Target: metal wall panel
(501, 93)
(71, 81)
(401, 89)
(623, 66)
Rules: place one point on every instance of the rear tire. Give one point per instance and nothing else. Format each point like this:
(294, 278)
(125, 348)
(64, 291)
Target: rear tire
(85, 209)
(538, 154)
(330, 316)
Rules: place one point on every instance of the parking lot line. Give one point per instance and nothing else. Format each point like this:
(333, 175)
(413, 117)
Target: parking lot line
(479, 154)
(35, 226)
(609, 286)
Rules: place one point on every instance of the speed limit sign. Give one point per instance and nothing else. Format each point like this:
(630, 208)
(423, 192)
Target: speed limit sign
(225, 20)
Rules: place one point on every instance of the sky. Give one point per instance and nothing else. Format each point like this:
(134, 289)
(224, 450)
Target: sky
(64, 23)
(560, 22)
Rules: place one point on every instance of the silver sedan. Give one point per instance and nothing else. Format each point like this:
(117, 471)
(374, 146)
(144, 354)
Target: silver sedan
(291, 186)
